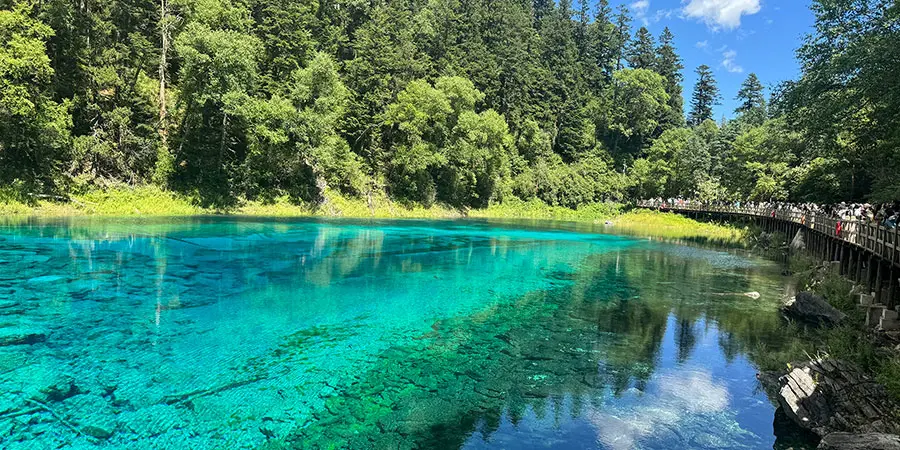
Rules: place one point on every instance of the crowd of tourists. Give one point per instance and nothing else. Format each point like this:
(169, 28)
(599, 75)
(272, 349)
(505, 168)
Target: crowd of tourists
(885, 214)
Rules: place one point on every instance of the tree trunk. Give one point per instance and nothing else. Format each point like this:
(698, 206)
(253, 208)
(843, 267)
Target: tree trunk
(164, 31)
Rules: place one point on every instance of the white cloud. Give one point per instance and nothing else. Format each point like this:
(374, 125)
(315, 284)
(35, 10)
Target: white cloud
(663, 14)
(702, 45)
(719, 14)
(639, 8)
(728, 62)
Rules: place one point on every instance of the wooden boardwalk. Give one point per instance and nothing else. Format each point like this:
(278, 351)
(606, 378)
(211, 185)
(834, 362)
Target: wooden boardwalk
(866, 252)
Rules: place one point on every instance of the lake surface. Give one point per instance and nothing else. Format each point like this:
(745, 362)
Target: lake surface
(246, 333)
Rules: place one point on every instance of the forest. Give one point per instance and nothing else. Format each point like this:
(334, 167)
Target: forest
(459, 102)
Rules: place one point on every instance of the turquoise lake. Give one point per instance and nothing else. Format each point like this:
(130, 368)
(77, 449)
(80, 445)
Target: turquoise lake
(204, 333)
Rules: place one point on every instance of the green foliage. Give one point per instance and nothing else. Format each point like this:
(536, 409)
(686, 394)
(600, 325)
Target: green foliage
(631, 111)
(559, 184)
(669, 65)
(33, 127)
(760, 165)
(219, 76)
(440, 101)
(293, 144)
(642, 54)
(444, 150)
(705, 96)
(753, 103)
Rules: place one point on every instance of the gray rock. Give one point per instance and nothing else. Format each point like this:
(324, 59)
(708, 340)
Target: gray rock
(826, 396)
(868, 441)
(811, 308)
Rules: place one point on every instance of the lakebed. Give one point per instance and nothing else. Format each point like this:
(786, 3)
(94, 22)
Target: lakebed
(245, 332)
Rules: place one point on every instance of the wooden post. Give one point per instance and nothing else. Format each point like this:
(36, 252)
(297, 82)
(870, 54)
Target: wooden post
(895, 258)
(879, 281)
(859, 258)
(869, 275)
(892, 282)
(839, 256)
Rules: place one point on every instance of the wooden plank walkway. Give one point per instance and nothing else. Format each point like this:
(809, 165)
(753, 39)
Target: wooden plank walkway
(875, 239)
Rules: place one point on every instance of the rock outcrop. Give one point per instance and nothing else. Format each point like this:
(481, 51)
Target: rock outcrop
(827, 396)
(867, 441)
(813, 309)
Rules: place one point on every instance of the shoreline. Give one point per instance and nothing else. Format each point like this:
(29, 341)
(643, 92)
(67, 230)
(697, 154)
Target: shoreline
(152, 202)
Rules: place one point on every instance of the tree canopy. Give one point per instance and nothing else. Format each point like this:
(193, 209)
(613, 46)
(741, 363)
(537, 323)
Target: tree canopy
(463, 103)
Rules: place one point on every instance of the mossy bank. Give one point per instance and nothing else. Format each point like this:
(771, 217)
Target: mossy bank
(152, 201)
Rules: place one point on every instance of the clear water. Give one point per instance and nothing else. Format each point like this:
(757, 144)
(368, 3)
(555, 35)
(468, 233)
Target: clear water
(246, 333)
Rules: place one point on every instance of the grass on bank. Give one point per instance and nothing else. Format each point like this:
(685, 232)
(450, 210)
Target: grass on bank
(852, 341)
(153, 201)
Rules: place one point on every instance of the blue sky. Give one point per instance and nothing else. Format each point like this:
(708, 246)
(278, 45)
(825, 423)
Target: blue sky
(733, 37)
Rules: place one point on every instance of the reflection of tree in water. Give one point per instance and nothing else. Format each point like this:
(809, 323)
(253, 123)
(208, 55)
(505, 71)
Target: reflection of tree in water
(601, 333)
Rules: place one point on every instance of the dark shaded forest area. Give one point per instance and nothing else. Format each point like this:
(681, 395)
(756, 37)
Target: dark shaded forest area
(463, 102)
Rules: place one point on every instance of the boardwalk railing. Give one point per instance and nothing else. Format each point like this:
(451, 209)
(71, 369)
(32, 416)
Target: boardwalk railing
(880, 241)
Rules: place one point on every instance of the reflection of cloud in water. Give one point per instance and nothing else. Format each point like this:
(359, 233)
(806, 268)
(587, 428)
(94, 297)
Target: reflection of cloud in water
(681, 398)
(716, 258)
(696, 391)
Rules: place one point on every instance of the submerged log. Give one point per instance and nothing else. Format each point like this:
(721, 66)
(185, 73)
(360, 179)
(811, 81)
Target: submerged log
(193, 395)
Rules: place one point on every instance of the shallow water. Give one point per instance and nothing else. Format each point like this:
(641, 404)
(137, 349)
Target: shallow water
(240, 333)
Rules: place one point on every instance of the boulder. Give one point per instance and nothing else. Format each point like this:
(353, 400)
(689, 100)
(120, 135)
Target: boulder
(867, 441)
(826, 396)
(813, 309)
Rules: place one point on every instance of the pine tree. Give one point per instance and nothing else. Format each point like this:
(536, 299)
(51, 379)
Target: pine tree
(560, 57)
(581, 31)
(602, 50)
(641, 52)
(706, 95)
(668, 64)
(751, 95)
(621, 35)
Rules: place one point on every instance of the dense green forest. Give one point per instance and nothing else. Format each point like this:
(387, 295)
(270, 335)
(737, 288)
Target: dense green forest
(462, 102)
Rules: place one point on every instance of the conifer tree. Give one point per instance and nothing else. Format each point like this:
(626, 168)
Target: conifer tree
(705, 96)
(621, 36)
(669, 65)
(751, 96)
(641, 52)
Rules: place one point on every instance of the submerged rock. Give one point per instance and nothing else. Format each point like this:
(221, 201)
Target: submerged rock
(826, 396)
(61, 390)
(22, 339)
(811, 308)
(97, 432)
(867, 441)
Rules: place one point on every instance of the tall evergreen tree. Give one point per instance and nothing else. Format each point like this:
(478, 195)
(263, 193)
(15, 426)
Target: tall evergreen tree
(705, 96)
(669, 65)
(641, 51)
(564, 85)
(621, 36)
(581, 30)
(602, 39)
(753, 101)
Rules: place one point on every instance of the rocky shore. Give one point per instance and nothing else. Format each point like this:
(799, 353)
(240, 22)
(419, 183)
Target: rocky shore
(831, 399)
(838, 403)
